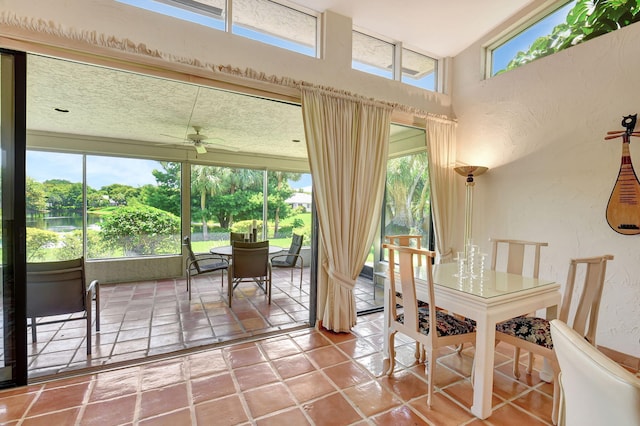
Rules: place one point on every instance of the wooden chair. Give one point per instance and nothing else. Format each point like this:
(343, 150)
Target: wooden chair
(533, 334)
(512, 255)
(59, 288)
(406, 240)
(290, 260)
(595, 390)
(202, 263)
(430, 331)
(235, 236)
(249, 262)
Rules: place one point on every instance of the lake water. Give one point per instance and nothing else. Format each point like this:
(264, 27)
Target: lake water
(61, 223)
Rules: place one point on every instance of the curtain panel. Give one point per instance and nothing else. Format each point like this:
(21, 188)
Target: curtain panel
(348, 144)
(441, 149)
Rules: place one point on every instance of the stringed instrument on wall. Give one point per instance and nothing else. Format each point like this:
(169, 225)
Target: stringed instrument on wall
(623, 209)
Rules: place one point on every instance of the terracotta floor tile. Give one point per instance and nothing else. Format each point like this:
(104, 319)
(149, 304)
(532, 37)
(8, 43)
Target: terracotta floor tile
(162, 400)
(115, 411)
(240, 358)
(462, 392)
(324, 411)
(162, 373)
(347, 374)
(212, 387)
(405, 384)
(280, 348)
(291, 417)
(326, 356)
(293, 365)
(113, 384)
(206, 363)
(402, 415)
(64, 417)
(371, 398)
(180, 417)
(229, 408)
(254, 375)
(357, 348)
(509, 415)
(12, 407)
(59, 398)
(536, 403)
(268, 399)
(310, 386)
(443, 411)
(311, 340)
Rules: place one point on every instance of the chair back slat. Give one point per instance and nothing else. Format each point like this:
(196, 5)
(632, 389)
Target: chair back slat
(585, 316)
(294, 249)
(516, 251)
(192, 257)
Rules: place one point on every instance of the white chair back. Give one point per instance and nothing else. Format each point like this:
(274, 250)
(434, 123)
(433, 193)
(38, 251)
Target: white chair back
(595, 389)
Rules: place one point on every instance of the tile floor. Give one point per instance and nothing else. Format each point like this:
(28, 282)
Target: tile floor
(300, 377)
(149, 319)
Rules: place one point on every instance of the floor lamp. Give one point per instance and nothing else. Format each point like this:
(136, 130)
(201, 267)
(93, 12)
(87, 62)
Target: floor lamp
(469, 172)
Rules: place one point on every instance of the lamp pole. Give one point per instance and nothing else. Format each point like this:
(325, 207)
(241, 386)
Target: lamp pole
(469, 172)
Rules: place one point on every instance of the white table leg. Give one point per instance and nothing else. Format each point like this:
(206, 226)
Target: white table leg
(483, 376)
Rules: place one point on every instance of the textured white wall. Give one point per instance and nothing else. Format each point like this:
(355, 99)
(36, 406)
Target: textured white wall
(540, 130)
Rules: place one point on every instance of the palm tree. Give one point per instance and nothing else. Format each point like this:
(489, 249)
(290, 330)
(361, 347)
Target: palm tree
(205, 180)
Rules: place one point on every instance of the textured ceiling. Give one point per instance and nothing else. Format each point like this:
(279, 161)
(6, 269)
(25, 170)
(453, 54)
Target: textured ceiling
(114, 104)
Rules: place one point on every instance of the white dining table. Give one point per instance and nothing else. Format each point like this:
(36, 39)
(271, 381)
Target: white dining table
(496, 297)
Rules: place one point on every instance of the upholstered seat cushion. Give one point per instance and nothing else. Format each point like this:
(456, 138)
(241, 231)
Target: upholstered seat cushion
(532, 329)
(447, 325)
(421, 304)
(212, 265)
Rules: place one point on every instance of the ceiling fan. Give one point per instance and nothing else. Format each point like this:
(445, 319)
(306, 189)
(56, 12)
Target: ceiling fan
(200, 142)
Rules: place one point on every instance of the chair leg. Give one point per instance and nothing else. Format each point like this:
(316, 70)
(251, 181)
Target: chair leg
(392, 354)
(432, 369)
(516, 362)
(34, 337)
(530, 367)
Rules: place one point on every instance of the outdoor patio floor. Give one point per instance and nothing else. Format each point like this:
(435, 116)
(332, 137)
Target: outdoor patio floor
(142, 320)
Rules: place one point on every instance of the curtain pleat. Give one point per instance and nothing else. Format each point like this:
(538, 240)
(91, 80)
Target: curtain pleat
(347, 143)
(441, 148)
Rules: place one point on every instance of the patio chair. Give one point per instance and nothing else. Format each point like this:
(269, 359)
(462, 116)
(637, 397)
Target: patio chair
(533, 334)
(290, 260)
(235, 236)
(249, 263)
(202, 263)
(59, 288)
(430, 328)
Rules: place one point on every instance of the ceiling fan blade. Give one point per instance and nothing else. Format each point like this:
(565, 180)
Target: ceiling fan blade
(200, 148)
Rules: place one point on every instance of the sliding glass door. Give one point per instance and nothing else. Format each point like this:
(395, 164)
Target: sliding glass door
(13, 369)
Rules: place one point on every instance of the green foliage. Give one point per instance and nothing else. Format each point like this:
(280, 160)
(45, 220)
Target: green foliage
(63, 195)
(142, 230)
(38, 241)
(35, 196)
(588, 19)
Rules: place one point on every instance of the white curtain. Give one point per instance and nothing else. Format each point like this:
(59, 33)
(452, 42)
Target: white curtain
(347, 142)
(441, 147)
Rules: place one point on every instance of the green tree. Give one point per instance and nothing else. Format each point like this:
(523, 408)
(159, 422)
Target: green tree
(588, 19)
(205, 180)
(38, 241)
(166, 194)
(408, 192)
(120, 194)
(36, 201)
(142, 230)
(278, 196)
(63, 195)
